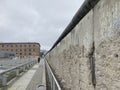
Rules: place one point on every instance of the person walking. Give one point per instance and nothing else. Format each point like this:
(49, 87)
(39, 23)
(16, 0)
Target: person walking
(38, 59)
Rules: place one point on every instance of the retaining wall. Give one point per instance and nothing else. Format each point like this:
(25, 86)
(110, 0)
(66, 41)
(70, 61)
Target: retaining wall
(97, 34)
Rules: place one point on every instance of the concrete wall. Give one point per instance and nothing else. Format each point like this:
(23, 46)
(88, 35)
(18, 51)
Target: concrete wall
(107, 43)
(70, 59)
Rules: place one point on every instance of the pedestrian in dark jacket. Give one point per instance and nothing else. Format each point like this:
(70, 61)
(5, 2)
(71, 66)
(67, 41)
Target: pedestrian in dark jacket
(38, 59)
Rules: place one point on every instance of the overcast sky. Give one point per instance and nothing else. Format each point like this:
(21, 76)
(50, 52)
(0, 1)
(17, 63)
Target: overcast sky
(40, 21)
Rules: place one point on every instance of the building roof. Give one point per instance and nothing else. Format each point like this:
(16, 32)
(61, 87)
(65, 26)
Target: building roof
(20, 43)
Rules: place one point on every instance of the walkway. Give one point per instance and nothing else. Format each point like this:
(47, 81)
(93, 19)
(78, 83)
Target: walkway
(32, 79)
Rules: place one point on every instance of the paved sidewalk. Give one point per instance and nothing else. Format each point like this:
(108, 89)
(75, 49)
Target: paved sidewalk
(39, 79)
(32, 79)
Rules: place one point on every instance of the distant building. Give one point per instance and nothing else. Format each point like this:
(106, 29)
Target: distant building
(26, 49)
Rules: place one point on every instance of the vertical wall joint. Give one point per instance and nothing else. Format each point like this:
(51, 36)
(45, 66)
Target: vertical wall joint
(92, 65)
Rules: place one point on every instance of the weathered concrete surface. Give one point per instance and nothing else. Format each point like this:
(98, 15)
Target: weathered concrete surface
(69, 59)
(107, 43)
(100, 28)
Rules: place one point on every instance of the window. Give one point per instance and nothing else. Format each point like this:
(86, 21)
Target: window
(24, 45)
(29, 45)
(20, 45)
(20, 50)
(11, 49)
(25, 50)
(20, 53)
(16, 45)
(29, 53)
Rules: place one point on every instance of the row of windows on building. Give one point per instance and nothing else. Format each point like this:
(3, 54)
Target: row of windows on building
(19, 50)
(23, 54)
(17, 45)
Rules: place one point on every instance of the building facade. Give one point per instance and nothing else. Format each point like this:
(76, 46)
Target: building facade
(26, 49)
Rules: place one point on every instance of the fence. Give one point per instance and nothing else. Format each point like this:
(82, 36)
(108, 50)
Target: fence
(7, 75)
(53, 82)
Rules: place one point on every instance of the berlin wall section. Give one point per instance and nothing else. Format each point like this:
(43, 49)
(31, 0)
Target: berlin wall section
(97, 35)
(70, 58)
(107, 44)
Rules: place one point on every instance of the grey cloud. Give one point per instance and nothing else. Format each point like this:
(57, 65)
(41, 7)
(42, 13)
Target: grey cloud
(35, 20)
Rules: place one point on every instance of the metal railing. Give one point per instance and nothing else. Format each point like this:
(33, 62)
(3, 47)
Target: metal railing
(53, 82)
(13, 72)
